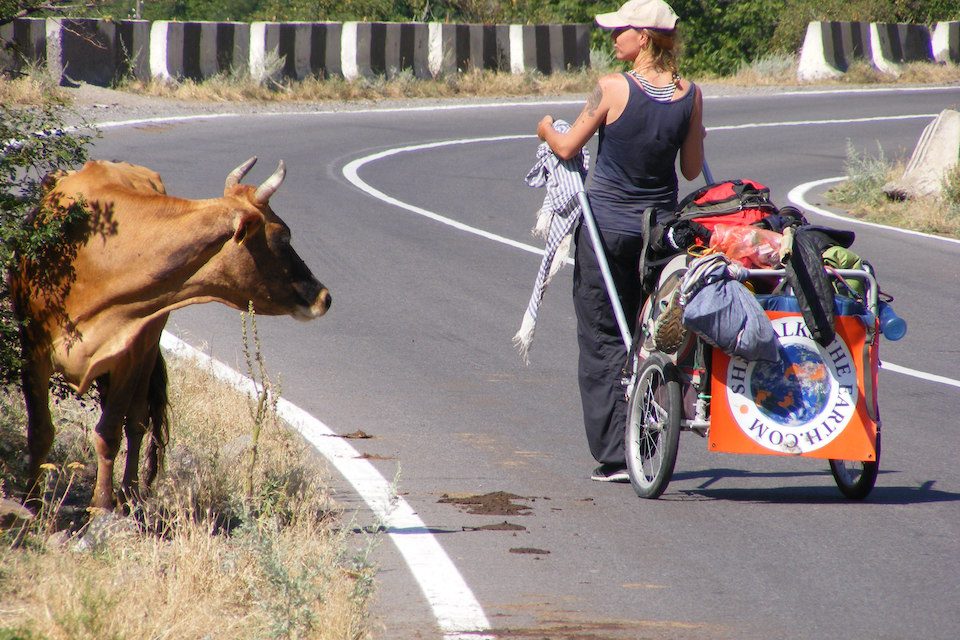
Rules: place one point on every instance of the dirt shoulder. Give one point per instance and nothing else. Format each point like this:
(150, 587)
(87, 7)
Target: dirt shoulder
(98, 104)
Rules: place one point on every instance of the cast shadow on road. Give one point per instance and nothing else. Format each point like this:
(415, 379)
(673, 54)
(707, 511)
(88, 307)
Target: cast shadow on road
(883, 493)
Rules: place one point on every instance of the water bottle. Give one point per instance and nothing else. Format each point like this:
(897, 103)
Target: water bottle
(892, 326)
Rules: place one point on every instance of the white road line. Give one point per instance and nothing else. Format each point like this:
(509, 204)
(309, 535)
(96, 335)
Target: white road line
(923, 375)
(351, 173)
(798, 196)
(806, 123)
(457, 611)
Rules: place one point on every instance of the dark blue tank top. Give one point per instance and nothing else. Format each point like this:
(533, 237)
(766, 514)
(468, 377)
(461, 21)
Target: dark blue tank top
(636, 160)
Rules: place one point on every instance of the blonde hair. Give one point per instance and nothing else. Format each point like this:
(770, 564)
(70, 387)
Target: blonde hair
(664, 51)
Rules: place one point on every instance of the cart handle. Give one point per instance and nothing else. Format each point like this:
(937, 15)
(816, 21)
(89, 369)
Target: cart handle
(872, 289)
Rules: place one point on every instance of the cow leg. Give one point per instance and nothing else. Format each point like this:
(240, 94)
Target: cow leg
(36, 395)
(134, 428)
(158, 417)
(108, 433)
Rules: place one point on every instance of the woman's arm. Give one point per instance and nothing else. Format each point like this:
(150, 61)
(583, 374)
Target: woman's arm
(691, 151)
(568, 145)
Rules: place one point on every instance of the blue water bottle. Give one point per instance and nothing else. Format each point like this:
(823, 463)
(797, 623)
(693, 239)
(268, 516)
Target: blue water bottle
(892, 326)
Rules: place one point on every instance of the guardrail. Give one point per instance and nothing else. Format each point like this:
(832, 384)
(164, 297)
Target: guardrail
(830, 47)
(101, 51)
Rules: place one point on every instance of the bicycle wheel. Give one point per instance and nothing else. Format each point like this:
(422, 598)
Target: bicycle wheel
(855, 479)
(653, 426)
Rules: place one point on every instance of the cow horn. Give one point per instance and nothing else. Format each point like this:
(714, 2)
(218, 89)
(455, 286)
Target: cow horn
(235, 176)
(270, 185)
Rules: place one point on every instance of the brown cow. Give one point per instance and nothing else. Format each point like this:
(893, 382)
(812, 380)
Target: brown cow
(96, 311)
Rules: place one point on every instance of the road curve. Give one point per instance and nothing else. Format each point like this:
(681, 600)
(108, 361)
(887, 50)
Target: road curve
(417, 353)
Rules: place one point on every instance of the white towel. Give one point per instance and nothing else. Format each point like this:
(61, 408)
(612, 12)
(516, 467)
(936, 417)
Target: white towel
(556, 221)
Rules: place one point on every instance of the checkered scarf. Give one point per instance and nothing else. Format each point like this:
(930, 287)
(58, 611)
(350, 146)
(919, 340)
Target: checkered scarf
(556, 221)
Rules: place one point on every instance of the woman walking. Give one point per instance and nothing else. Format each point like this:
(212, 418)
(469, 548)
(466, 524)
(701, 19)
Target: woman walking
(647, 117)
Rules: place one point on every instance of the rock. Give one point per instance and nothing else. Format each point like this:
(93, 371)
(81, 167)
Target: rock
(104, 527)
(13, 508)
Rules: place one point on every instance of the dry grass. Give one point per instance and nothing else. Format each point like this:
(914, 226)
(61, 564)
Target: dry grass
(33, 88)
(231, 87)
(197, 559)
(863, 197)
(781, 70)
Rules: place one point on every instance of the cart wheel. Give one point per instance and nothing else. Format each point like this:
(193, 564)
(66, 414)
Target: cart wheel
(653, 426)
(856, 479)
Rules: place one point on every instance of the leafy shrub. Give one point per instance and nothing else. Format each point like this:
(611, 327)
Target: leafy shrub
(36, 144)
(951, 189)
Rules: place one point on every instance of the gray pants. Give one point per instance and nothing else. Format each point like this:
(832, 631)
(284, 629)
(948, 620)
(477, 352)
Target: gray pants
(602, 353)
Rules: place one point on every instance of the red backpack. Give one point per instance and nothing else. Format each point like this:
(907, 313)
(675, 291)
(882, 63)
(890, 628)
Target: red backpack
(727, 202)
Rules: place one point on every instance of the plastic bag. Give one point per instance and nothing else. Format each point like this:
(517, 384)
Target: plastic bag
(751, 246)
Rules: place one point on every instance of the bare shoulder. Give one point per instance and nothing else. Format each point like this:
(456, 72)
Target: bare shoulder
(687, 86)
(612, 81)
(613, 86)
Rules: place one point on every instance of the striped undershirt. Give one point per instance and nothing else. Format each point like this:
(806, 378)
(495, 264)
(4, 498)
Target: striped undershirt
(660, 94)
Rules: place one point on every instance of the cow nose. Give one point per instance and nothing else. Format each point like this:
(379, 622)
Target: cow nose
(323, 302)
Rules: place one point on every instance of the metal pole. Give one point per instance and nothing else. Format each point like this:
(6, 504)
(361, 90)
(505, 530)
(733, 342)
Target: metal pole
(707, 175)
(605, 270)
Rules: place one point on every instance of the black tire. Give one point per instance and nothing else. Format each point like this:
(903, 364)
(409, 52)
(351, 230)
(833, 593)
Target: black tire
(856, 479)
(652, 433)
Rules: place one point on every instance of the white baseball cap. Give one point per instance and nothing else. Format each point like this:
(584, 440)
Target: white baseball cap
(640, 14)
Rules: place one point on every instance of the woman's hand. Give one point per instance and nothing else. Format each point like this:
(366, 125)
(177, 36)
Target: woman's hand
(546, 123)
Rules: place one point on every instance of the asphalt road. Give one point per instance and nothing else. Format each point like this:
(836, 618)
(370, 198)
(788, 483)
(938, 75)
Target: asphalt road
(416, 351)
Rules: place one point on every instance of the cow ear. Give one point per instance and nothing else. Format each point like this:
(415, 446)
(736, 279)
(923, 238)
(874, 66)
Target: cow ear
(246, 224)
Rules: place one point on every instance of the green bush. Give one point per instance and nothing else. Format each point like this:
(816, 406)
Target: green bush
(36, 144)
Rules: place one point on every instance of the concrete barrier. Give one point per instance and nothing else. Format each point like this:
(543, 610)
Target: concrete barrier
(933, 158)
(133, 42)
(385, 49)
(308, 49)
(946, 42)
(197, 50)
(830, 47)
(896, 44)
(24, 44)
(466, 47)
(84, 50)
(556, 47)
(101, 51)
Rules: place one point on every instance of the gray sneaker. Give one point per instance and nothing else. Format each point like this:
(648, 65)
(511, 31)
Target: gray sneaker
(668, 330)
(610, 473)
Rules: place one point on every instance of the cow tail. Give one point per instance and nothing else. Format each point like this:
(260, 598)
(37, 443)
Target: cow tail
(158, 415)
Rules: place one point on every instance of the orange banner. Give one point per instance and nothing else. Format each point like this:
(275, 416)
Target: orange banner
(813, 403)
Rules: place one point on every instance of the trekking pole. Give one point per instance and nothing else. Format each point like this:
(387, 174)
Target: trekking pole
(605, 270)
(707, 175)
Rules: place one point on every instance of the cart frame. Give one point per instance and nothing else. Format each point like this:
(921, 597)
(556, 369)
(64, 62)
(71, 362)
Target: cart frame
(670, 393)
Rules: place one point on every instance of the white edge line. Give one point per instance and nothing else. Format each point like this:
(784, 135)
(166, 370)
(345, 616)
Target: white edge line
(424, 555)
(889, 366)
(798, 196)
(456, 609)
(350, 172)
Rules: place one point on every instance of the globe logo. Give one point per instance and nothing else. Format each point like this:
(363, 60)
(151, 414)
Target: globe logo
(793, 391)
